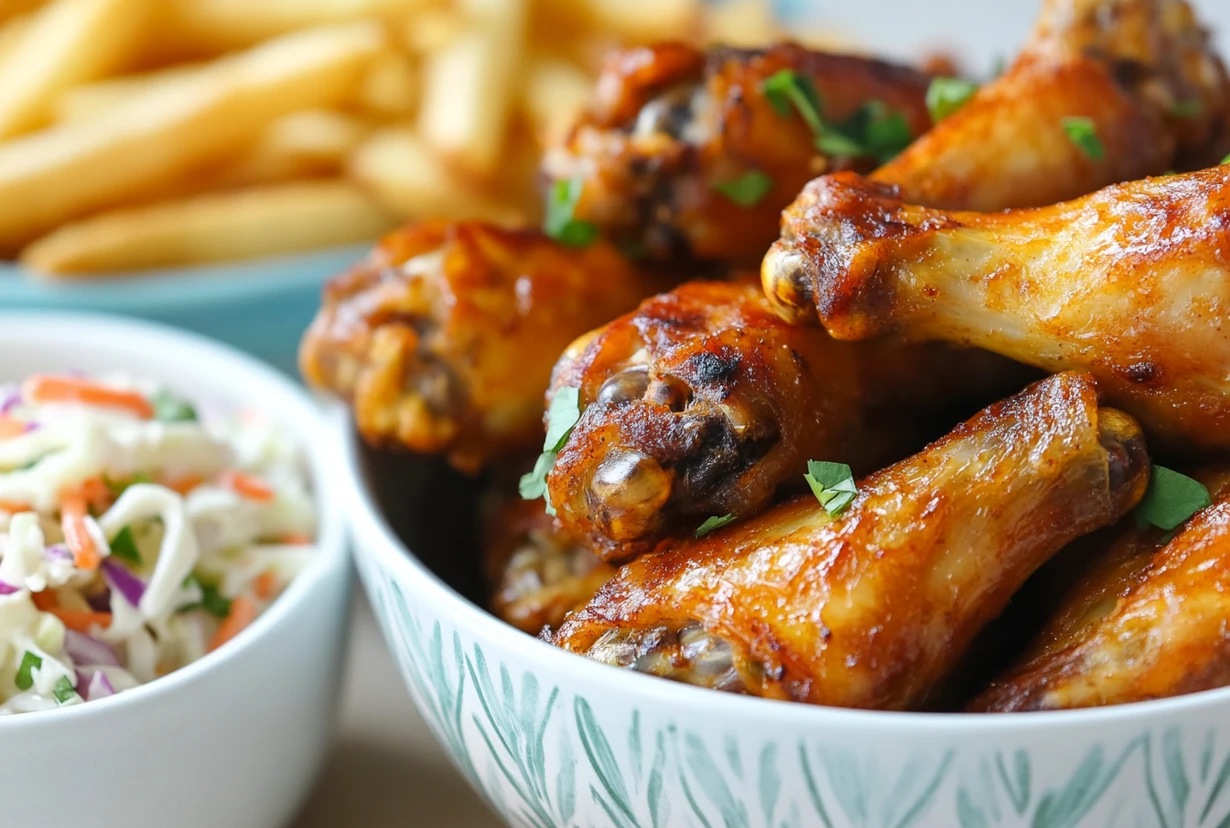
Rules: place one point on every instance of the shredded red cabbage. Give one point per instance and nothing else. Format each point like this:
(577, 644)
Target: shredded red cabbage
(58, 551)
(86, 650)
(129, 585)
(7, 589)
(96, 687)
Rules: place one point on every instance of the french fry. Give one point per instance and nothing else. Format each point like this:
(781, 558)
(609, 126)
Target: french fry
(66, 42)
(214, 227)
(433, 29)
(214, 26)
(11, 33)
(470, 86)
(12, 9)
(307, 144)
(555, 93)
(641, 21)
(67, 171)
(401, 170)
(90, 100)
(390, 87)
(743, 23)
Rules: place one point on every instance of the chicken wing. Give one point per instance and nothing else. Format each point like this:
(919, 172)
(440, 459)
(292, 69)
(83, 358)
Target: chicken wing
(444, 337)
(1165, 635)
(872, 608)
(537, 573)
(1142, 71)
(1130, 283)
(672, 126)
(703, 403)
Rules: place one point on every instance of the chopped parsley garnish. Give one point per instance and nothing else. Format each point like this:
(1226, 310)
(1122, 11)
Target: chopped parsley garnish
(560, 223)
(29, 662)
(1082, 132)
(171, 409)
(1225, 160)
(946, 95)
(747, 190)
(873, 130)
(713, 524)
(64, 690)
(211, 601)
(562, 416)
(832, 484)
(125, 548)
(1170, 499)
(1186, 109)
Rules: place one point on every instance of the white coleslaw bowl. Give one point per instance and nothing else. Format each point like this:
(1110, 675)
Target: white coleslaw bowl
(236, 738)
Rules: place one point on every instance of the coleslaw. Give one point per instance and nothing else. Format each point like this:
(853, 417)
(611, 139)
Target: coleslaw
(136, 533)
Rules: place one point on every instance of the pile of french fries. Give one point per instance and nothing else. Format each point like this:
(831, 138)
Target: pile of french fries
(145, 133)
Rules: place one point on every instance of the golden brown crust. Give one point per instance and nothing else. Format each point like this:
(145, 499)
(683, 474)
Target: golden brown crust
(537, 573)
(703, 403)
(444, 337)
(1129, 283)
(1165, 636)
(1142, 71)
(872, 609)
(670, 121)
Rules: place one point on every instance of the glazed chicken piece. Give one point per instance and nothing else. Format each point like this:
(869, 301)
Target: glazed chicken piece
(873, 608)
(537, 573)
(671, 125)
(1142, 71)
(703, 403)
(1130, 283)
(444, 337)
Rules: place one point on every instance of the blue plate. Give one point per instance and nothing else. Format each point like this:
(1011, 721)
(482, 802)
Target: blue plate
(260, 305)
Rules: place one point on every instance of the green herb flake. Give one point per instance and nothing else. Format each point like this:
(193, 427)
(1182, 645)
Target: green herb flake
(747, 190)
(1171, 499)
(562, 416)
(1082, 132)
(560, 223)
(169, 408)
(64, 690)
(124, 547)
(946, 95)
(1186, 109)
(1225, 161)
(786, 88)
(212, 601)
(29, 662)
(713, 524)
(118, 487)
(533, 485)
(832, 484)
(886, 133)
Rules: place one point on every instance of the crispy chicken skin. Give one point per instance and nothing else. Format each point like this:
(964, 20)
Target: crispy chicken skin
(671, 121)
(702, 402)
(1141, 70)
(1165, 636)
(873, 608)
(1130, 283)
(443, 338)
(537, 573)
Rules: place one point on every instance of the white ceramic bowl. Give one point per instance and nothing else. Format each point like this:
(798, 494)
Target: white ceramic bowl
(235, 739)
(551, 739)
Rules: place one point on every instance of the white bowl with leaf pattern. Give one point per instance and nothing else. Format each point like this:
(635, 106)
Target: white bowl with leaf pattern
(551, 739)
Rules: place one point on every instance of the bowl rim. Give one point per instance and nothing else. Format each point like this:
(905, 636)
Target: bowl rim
(392, 555)
(32, 328)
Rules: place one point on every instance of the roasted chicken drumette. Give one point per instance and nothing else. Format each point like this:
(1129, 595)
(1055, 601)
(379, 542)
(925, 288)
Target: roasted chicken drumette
(672, 128)
(1130, 283)
(703, 403)
(872, 608)
(443, 338)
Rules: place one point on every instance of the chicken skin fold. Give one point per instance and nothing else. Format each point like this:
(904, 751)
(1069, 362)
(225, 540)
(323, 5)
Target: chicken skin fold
(1142, 72)
(872, 608)
(703, 403)
(672, 126)
(1130, 283)
(537, 573)
(443, 338)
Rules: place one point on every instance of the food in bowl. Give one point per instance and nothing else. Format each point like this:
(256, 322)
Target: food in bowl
(679, 436)
(138, 532)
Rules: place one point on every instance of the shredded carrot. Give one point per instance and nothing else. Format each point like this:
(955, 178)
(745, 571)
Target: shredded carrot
(247, 485)
(264, 584)
(81, 620)
(51, 389)
(14, 506)
(295, 539)
(182, 485)
(11, 427)
(76, 536)
(96, 493)
(45, 600)
(243, 613)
